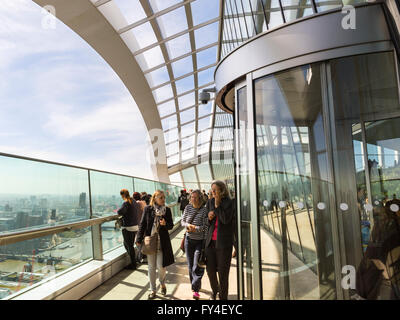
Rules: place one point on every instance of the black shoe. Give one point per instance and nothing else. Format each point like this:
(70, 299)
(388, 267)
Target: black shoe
(130, 267)
(164, 291)
(151, 296)
(213, 297)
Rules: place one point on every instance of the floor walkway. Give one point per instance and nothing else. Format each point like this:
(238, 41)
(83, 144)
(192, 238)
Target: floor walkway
(134, 285)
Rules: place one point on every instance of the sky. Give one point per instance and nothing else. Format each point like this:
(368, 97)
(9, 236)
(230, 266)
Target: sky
(60, 101)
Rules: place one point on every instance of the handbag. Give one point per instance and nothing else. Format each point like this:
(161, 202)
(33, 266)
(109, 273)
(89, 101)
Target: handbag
(184, 236)
(150, 244)
(202, 262)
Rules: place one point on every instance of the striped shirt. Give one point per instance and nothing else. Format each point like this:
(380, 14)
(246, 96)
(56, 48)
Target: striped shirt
(200, 221)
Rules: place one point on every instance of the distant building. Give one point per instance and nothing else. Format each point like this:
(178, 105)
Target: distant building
(81, 211)
(53, 214)
(7, 224)
(22, 220)
(82, 200)
(43, 203)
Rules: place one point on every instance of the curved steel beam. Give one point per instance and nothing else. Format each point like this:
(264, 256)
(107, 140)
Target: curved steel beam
(87, 21)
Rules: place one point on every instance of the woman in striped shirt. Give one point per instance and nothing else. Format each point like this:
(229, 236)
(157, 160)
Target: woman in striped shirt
(194, 219)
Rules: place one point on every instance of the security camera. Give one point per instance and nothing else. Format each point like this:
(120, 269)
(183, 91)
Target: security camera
(204, 97)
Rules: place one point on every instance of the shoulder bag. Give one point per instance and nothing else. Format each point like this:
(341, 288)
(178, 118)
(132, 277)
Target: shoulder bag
(150, 243)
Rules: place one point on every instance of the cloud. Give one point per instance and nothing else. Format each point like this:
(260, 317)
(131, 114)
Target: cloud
(60, 101)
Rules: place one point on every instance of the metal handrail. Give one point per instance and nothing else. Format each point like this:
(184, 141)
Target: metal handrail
(41, 232)
(14, 237)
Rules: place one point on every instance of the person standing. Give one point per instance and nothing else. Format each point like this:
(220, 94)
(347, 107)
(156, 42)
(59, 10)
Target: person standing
(194, 219)
(141, 205)
(219, 242)
(157, 219)
(205, 197)
(183, 200)
(129, 228)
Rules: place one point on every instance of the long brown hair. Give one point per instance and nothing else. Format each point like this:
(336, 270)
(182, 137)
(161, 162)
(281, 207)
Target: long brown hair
(155, 194)
(125, 194)
(222, 187)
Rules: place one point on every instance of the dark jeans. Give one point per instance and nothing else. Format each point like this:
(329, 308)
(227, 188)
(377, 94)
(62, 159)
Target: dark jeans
(219, 260)
(193, 249)
(129, 240)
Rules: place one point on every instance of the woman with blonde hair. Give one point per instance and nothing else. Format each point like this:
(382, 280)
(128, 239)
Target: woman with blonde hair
(157, 219)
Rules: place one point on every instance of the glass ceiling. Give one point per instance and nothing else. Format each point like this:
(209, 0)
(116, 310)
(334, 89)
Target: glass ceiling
(175, 42)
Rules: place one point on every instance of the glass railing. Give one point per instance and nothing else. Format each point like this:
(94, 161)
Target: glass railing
(51, 216)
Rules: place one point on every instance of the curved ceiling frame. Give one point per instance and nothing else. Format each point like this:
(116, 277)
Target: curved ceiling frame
(83, 18)
(72, 13)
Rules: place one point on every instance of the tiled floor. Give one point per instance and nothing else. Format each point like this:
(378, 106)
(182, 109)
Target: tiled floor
(134, 285)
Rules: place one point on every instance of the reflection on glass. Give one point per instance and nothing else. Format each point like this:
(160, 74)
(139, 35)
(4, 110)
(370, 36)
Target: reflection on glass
(35, 194)
(106, 200)
(28, 262)
(366, 110)
(296, 241)
(365, 96)
(245, 217)
(142, 185)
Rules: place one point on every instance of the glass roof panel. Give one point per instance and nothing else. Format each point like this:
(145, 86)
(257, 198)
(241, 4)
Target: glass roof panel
(189, 178)
(172, 22)
(169, 123)
(188, 115)
(144, 35)
(204, 123)
(113, 14)
(186, 100)
(157, 76)
(184, 84)
(163, 93)
(206, 76)
(204, 148)
(207, 57)
(206, 35)
(182, 66)
(172, 160)
(187, 130)
(178, 46)
(171, 135)
(175, 178)
(204, 10)
(172, 148)
(276, 16)
(166, 108)
(205, 109)
(158, 5)
(204, 172)
(188, 154)
(188, 142)
(203, 137)
(150, 58)
(132, 10)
